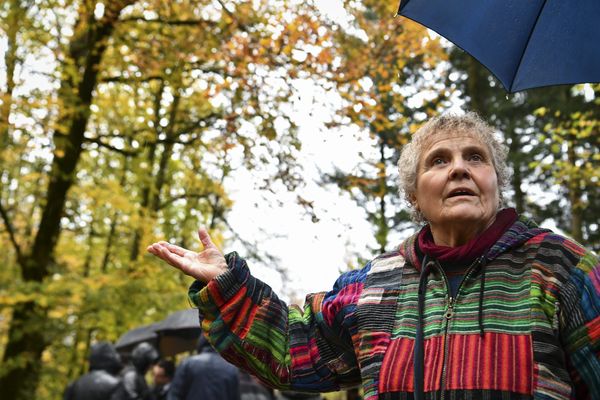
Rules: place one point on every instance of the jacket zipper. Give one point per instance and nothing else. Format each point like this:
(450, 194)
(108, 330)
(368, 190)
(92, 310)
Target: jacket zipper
(451, 301)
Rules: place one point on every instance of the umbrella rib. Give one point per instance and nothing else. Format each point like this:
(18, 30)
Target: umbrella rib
(402, 2)
(537, 18)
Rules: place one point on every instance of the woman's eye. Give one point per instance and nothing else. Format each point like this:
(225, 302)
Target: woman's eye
(437, 161)
(476, 157)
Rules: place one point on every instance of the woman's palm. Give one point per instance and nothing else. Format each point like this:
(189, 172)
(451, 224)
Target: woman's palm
(203, 266)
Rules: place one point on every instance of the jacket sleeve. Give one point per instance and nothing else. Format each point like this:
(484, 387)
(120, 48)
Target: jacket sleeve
(234, 386)
(180, 384)
(130, 387)
(68, 394)
(286, 347)
(580, 322)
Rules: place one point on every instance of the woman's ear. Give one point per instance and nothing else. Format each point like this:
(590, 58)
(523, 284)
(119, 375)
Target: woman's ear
(413, 201)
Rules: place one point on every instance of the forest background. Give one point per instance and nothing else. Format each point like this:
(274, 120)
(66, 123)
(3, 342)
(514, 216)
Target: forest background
(150, 108)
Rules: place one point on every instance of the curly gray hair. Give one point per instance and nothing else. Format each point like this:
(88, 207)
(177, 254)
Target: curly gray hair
(449, 124)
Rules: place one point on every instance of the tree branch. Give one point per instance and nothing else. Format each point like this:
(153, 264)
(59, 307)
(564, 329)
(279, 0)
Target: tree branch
(182, 196)
(233, 17)
(121, 79)
(11, 233)
(173, 22)
(112, 148)
(253, 252)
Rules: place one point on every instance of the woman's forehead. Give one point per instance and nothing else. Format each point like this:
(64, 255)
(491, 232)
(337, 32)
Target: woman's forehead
(471, 138)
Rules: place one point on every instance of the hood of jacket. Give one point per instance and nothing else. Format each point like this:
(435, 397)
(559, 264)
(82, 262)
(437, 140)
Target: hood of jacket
(104, 356)
(143, 356)
(520, 232)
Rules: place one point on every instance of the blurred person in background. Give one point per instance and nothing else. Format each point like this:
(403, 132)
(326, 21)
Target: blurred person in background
(162, 374)
(252, 389)
(135, 387)
(205, 375)
(102, 381)
(292, 395)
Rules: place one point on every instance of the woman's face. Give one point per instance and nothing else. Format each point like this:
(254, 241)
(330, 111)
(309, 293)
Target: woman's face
(457, 186)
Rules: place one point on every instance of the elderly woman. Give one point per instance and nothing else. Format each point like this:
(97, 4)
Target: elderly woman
(479, 304)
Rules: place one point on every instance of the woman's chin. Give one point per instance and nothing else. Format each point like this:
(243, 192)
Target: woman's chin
(467, 214)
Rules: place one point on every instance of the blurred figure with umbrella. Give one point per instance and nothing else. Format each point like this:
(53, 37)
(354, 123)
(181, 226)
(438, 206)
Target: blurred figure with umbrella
(135, 387)
(178, 332)
(132, 338)
(102, 382)
(205, 375)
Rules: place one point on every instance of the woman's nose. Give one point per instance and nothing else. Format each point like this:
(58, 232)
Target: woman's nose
(459, 169)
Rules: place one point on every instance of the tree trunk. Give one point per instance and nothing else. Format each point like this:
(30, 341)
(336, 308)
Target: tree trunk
(147, 182)
(575, 197)
(475, 82)
(113, 222)
(381, 222)
(87, 265)
(166, 154)
(27, 336)
(515, 155)
(151, 194)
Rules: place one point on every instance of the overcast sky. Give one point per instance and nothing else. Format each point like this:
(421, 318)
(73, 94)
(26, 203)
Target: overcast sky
(313, 251)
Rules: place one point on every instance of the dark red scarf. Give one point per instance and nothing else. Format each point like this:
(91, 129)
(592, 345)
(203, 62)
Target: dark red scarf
(474, 248)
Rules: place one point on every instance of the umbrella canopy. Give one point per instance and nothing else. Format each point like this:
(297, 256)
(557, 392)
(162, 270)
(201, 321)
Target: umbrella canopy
(132, 338)
(525, 44)
(178, 332)
(180, 320)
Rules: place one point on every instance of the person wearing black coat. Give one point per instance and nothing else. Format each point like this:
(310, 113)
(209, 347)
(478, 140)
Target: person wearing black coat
(205, 375)
(102, 381)
(135, 387)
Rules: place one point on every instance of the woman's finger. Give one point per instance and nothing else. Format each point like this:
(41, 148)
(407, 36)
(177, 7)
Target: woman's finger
(180, 251)
(205, 239)
(170, 257)
(154, 249)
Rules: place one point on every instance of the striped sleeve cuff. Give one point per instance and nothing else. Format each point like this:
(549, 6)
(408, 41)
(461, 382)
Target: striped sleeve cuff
(223, 286)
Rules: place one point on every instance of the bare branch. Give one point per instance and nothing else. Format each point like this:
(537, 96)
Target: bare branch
(121, 79)
(183, 196)
(173, 22)
(112, 148)
(11, 233)
(233, 17)
(253, 252)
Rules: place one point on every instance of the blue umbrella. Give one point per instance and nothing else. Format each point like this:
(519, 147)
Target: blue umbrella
(524, 43)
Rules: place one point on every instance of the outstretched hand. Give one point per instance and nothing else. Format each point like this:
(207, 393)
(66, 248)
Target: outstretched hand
(203, 266)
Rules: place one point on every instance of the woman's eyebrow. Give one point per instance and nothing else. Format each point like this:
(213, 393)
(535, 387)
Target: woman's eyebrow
(476, 149)
(436, 152)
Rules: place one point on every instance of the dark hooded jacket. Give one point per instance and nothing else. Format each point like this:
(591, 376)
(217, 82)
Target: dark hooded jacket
(102, 382)
(205, 375)
(135, 387)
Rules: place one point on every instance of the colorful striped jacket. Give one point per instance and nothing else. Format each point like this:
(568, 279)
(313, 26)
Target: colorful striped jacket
(539, 334)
